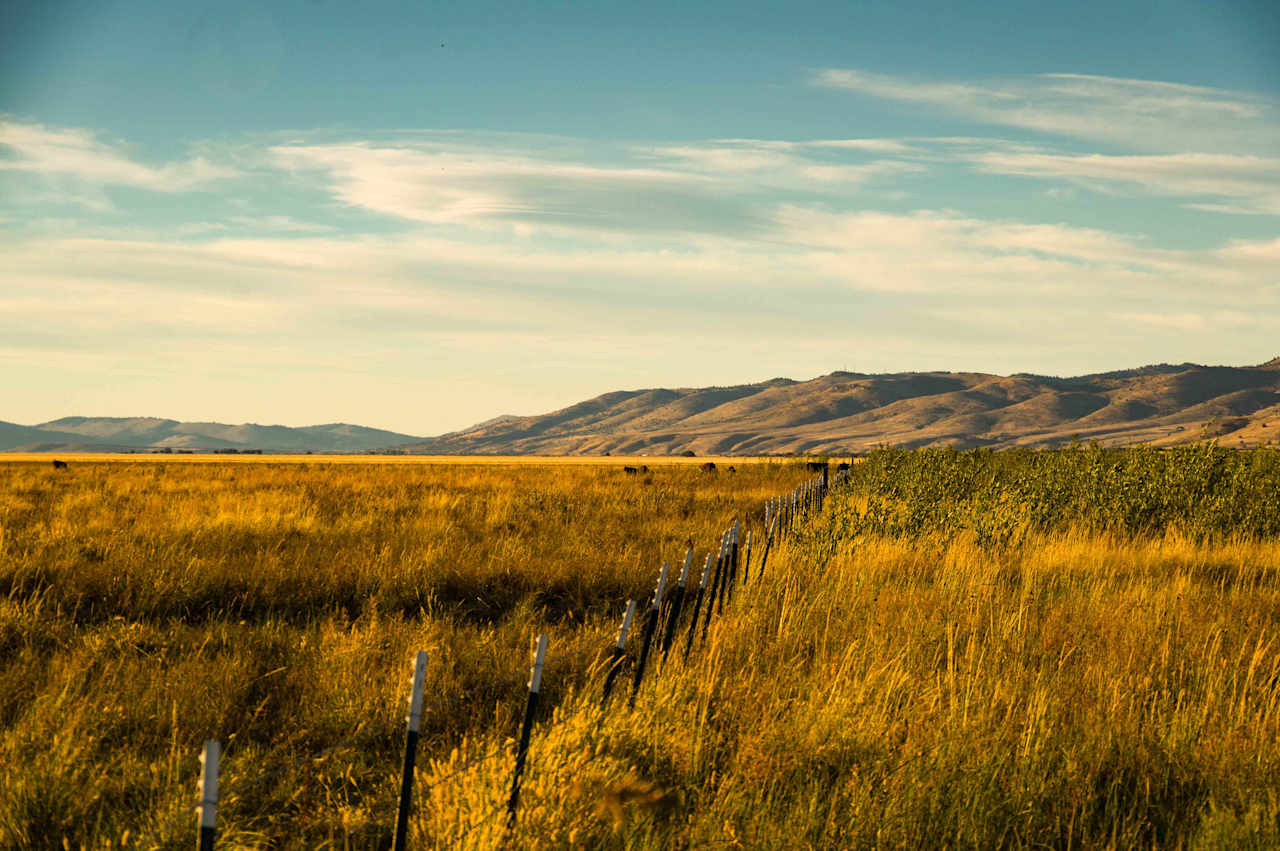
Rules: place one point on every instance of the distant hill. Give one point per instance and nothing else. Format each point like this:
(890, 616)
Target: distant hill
(839, 413)
(121, 434)
(846, 412)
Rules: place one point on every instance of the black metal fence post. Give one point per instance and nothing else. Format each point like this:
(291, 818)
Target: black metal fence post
(208, 818)
(650, 626)
(675, 607)
(733, 557)
(412, 725)
(697, 604)
(768, 542)
(716, 581)
(522, 747)
(618, 651)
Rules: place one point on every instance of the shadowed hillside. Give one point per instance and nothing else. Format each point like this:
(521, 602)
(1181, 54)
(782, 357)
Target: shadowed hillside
(846, 412)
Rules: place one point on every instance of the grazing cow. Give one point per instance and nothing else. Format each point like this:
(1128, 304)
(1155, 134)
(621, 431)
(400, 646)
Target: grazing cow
(630, 471)
(59, 465)
(816, 466)
(841, 467)
(709, 467)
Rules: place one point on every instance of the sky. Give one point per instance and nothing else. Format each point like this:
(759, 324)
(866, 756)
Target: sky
(418, 216)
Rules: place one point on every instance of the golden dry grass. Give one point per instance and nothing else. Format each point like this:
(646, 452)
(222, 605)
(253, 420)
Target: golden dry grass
(145, 607)
(917, 686)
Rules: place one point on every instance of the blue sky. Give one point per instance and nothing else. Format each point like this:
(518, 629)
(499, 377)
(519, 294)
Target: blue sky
(418, 216)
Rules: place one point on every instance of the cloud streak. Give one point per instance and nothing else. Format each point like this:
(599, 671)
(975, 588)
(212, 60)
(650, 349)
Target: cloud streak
(79, 154)
(1252, 180)
(1147, 115)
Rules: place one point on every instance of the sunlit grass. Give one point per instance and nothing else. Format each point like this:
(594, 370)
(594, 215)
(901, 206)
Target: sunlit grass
(147, 607)
(904, 679)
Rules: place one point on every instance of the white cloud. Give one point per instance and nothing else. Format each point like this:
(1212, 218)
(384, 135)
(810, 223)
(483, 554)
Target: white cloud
(1253, 180)
(1149, 115)
(441, 184)
(79, 154)
(710, 188)
(758, 164)
(509, 255)
(880, 146)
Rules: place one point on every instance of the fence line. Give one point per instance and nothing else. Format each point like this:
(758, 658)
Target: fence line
(781, 516)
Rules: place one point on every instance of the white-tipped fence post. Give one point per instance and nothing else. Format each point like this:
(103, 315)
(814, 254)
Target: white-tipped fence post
(716, 579)
(722, 572)
(413, 724)
(768, 543)
(618, 651)
(650, 626)
(522, 746)
(697, 604)
(733, 557)
(676, 605)
(208, 816)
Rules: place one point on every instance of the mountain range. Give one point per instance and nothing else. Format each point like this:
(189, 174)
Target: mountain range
(839, 413)
(848, 412)
(122, 434)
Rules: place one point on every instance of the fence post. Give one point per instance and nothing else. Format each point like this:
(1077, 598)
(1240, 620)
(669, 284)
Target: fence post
(650, 625)
(619, 650)
(768, 542)
(697, 604)
(677, 603)
(733, 558)
(746, 559)
(522, 747)
(716, 581)
(412, 726)
(208, 818)
(726, 581)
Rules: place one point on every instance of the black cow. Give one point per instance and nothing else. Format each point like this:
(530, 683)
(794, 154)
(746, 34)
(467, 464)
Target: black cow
(709, 467)
(630, 471)
(841, 467)
(816, 466)
(731, 470)
(59, 465)
(644, 468)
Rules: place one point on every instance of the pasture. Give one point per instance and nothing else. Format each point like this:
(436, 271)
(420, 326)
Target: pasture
(1070, 649)
(147, 604)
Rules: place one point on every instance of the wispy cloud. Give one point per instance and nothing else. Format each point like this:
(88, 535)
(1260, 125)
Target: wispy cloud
(1254, 182)
(714, 188)
(441, 184)
(1148, 115)
(80, 154)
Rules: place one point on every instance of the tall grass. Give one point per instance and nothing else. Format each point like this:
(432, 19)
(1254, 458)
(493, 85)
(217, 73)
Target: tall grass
(147, 607)
(1075, 685)
(905, 674)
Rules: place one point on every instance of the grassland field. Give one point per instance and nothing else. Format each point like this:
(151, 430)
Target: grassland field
(1070, 649)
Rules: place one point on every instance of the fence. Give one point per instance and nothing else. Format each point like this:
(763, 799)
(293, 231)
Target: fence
(725, 571)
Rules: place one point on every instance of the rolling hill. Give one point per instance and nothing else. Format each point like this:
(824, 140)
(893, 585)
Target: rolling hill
(121, 434)
(848, 412)
(839, 413)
